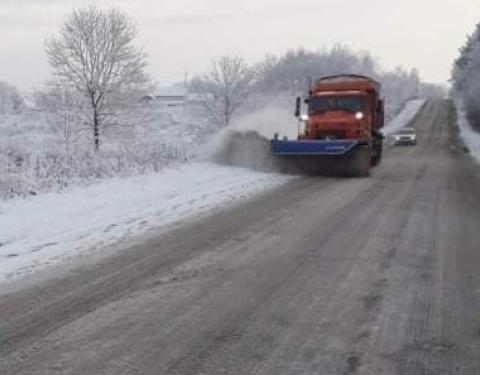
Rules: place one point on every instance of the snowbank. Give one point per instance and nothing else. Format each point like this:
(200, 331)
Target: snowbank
(49, 228)
(404, 117)
(470, 137)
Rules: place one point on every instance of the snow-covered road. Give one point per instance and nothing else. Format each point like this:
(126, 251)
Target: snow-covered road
(51, 228)
(318, 276)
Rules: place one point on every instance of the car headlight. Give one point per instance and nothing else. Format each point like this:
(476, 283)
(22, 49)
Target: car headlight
(359, 115)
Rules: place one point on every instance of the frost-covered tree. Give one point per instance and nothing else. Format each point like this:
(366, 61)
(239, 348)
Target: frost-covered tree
(465, 65)
(95, 57)
(294, 70)
(399, 86)
(11, 102)
(63, 113)
(224, 88)
(290, 74)
(466, 76)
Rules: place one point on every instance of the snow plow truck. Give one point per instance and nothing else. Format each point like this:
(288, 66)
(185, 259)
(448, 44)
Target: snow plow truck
(339, 126)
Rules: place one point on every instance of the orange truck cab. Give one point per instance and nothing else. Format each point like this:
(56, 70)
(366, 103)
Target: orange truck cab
(344, 107)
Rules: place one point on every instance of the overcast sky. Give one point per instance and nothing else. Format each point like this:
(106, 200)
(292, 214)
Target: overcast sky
(185, 35)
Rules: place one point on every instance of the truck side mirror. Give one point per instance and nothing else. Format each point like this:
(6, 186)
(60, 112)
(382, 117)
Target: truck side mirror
(298, 103)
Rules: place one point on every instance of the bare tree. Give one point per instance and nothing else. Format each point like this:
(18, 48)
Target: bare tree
(224, 89)
(95, 56)
(62, 109)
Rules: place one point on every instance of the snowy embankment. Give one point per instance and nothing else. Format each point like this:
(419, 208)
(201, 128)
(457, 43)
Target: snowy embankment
(470, 137)
(50, 228)
(404, 117)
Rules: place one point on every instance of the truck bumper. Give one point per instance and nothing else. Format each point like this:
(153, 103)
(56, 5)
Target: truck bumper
(312, 147)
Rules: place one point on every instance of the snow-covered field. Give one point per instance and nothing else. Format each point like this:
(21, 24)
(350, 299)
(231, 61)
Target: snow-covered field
(470, 137)
(50, 228)
(404, 117)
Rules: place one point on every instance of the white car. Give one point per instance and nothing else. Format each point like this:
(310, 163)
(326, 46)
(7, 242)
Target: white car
(405, 136)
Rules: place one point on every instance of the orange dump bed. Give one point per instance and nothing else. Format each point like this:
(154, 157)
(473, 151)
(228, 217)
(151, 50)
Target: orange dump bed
(346, 83)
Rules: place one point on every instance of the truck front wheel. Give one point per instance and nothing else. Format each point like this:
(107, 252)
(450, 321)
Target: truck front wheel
(377, 155)
(360, 162)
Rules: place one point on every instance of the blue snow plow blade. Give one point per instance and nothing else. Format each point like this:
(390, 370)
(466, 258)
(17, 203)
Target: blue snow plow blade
(312, 147)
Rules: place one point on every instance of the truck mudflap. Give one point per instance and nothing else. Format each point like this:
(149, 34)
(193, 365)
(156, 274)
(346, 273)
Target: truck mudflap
(312, 147)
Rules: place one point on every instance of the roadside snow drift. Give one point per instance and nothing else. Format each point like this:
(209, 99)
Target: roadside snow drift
(404, 117)
(470, 137)
(49, 228)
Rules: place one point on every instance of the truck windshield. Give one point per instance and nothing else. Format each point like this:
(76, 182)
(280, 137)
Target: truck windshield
(345, 103)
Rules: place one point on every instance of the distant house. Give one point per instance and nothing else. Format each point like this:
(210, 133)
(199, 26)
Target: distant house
(166, 100)
(171, 100)
(172, 96)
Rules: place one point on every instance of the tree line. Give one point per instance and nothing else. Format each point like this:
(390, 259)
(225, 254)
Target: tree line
(98, 73)
(231, 86)
(466, 76)
(96, 63)
(88, 122)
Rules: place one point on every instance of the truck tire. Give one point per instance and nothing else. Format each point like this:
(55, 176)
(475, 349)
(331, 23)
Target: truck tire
(360, 162)
(377, 156)
(377, 151)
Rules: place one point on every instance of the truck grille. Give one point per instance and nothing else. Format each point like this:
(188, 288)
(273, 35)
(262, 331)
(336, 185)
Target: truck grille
(335, 134)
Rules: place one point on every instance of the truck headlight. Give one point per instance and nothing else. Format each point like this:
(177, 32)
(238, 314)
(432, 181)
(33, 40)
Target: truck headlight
(359, 115)
(304, 117)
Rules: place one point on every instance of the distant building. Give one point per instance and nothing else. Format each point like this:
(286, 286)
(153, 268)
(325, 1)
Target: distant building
(171, 97)
(166, 100)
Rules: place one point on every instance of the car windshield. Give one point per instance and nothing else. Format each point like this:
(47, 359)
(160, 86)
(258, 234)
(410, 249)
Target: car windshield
(406, 131)
(334, 103)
